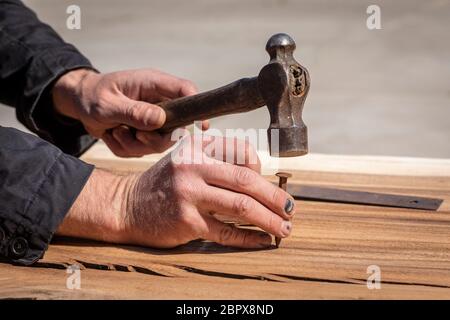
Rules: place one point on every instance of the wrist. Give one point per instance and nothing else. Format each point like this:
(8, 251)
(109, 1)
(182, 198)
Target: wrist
(99, 213)
(67, 92)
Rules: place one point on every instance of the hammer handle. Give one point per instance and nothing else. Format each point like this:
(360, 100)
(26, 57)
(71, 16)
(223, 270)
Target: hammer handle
(239, 96)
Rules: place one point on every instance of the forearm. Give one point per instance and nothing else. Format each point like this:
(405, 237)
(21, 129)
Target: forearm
(99, 211)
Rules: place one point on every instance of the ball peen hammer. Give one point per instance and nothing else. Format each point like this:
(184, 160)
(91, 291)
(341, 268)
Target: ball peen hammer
(282, 85)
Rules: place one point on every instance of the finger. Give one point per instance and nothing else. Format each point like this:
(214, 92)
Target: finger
(128, 143)
(173, 87)
(157, 141)
(228, 235)
(244, 208)
(232, 150)
(246, 181)
(114, 145)
(138, 114)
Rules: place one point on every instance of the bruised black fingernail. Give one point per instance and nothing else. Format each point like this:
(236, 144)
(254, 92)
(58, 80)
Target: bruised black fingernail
(289, 206)
(286, 227)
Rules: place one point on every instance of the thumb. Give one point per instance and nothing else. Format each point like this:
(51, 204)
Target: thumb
(138, 114)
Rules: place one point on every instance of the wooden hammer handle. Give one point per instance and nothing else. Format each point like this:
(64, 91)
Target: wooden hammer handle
(240, 96)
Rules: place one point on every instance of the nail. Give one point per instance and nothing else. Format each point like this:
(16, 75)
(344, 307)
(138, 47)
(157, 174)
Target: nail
(289, 206)
(286, 227)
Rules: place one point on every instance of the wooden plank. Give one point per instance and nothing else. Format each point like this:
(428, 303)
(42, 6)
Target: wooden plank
(373, 165)
(327, 255)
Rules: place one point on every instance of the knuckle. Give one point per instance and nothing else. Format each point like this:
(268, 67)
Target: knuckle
(188, 84)
(278, 197)
(184, 189)
(132, 112)
(273, 223)
(180, 167)
(180, 188)
(244, 177)
(243, 205)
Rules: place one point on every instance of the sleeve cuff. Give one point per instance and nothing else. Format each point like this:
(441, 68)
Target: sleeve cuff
(31, 220)
(35, 108)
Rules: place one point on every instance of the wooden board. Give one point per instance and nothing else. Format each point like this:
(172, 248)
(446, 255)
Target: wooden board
(327, 256)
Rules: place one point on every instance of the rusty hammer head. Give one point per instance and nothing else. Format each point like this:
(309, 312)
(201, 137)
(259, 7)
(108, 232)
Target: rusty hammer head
(284, 84)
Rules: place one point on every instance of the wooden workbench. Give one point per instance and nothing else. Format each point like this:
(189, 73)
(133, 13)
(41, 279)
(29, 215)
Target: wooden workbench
(327, 256)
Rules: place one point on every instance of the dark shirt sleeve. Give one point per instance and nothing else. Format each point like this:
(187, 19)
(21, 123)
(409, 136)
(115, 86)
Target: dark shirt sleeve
(32, 58)
(38, 181)
(38, 185)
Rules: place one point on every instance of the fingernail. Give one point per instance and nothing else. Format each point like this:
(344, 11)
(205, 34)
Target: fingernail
(156, 116)
(286, 227)
(289, 206)
(265, 240)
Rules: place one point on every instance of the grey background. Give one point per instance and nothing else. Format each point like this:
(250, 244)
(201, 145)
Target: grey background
(380, 92)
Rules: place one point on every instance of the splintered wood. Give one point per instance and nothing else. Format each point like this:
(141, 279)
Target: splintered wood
(336, 251)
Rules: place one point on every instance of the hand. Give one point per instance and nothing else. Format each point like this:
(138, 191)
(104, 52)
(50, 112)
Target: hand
(173, 203)
(118, 101)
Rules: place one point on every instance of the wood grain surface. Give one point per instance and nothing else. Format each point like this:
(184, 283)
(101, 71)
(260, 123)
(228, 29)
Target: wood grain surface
(326, 257)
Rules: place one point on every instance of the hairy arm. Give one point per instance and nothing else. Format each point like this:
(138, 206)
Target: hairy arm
(100, 208)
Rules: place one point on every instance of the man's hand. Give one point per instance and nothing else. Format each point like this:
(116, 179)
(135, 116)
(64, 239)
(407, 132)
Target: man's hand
(118, 101)
(175, 202)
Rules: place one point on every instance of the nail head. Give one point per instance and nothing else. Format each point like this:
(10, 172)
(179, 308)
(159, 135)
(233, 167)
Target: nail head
(283, 174)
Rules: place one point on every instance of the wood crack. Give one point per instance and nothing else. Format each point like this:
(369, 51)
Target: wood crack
(224, 275)
(413, 284)
(357, 281)
(300, 278)
(98, 266)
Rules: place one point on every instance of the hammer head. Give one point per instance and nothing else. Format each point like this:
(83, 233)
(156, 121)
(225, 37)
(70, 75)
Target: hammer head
(284, 85)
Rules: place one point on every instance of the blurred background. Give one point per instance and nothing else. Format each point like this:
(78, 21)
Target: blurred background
(373, 92)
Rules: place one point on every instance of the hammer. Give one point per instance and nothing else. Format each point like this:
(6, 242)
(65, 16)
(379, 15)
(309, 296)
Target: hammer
(282, 85)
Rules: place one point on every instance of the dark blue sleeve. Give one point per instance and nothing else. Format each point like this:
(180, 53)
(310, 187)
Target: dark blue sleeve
(32, 58)
(38, 185)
